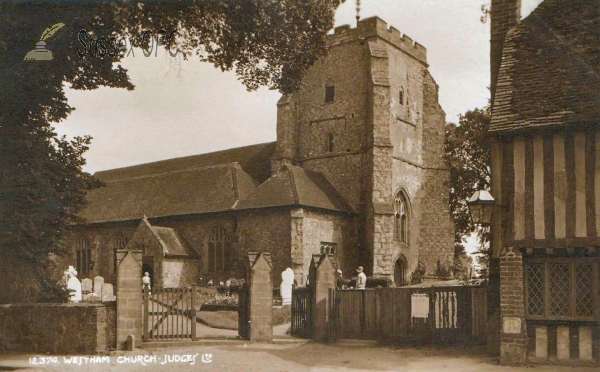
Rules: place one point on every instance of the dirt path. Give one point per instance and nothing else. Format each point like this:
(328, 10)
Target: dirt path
(305, 357)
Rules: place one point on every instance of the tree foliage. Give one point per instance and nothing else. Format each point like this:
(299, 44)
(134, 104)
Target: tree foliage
(42, 185)
(467, 154)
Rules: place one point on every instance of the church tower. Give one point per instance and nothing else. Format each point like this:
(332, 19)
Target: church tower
(368, 118)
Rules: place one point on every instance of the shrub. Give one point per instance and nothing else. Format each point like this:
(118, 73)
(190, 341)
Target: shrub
(236, 284)
(416, 277)
(372, 282)
(443, 270)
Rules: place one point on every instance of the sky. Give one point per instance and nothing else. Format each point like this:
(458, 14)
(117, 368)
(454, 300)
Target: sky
(181, 108)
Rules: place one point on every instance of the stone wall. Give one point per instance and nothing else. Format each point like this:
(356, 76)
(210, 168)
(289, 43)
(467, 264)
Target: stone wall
(267, 231)
(73, 328)
(180, 272)
(345, 118)
(332, 228)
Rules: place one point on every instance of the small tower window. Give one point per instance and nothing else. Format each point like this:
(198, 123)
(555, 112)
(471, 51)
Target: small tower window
(329, 90)
(330, 142)
(401, 96)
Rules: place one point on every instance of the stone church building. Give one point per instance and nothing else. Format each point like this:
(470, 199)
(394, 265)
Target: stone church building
(357, 171)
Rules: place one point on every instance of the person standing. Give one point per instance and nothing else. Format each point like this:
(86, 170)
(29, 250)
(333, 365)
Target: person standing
(146, 281)
(361, 280)
(340, 283)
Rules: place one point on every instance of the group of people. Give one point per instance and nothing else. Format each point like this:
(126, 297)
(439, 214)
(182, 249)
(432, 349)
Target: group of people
(361, 279)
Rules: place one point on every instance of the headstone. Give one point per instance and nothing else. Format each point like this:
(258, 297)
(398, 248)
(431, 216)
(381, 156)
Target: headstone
(86, 285)
(98, 281)
(107, 292)
(73, 284)
(287, 281)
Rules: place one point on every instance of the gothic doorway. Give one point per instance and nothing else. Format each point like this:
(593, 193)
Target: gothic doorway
(400, 272)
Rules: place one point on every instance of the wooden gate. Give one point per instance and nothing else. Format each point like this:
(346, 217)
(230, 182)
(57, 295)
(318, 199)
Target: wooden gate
(169, 314)
(301, 312)
(446, 314)
(244, 313)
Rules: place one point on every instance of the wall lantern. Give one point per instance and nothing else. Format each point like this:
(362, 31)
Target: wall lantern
(481, 206)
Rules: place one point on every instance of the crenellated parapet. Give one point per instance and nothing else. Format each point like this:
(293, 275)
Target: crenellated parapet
(375, 26)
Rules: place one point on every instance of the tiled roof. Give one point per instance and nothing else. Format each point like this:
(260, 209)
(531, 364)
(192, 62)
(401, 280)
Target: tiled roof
(550, 72)
(189, 191)
(295, 186)
(254, 160)
(171, 242)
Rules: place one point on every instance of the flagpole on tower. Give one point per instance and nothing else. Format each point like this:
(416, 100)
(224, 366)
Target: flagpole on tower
(357, 12)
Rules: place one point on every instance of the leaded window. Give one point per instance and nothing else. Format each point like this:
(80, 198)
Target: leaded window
(219, 246)
(560, 288)
(84, 256)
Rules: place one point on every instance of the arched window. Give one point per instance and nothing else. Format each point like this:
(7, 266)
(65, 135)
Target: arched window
(84, 256)
(219, 244)
(330, 142)
(401, 96)
(402, 217)
(329, 90)
(119, 241)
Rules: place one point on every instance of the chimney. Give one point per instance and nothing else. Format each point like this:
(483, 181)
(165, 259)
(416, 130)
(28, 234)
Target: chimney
(505, 14)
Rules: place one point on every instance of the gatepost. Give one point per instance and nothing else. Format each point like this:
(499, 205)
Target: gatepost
(260, 286)
(322, 279)
(129, 297)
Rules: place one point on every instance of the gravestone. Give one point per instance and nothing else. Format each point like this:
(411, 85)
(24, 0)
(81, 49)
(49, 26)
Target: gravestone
(73, 284)
(86, 285)
(108, 293)
(98, 281)
(287, 281)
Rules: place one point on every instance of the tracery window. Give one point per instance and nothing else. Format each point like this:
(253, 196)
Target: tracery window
(562, 288)
(219, 249)
(328, 248)
(84, 256)
(402, 217)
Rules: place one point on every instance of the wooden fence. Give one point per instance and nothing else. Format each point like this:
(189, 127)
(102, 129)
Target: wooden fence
(437, 313)
(301, 312)
(169, 314)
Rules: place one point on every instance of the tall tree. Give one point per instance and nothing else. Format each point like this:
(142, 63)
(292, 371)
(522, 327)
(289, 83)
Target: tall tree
(467, 154)
(42, 185)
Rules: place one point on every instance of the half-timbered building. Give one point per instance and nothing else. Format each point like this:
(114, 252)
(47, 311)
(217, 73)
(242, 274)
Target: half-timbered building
(545, 153)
